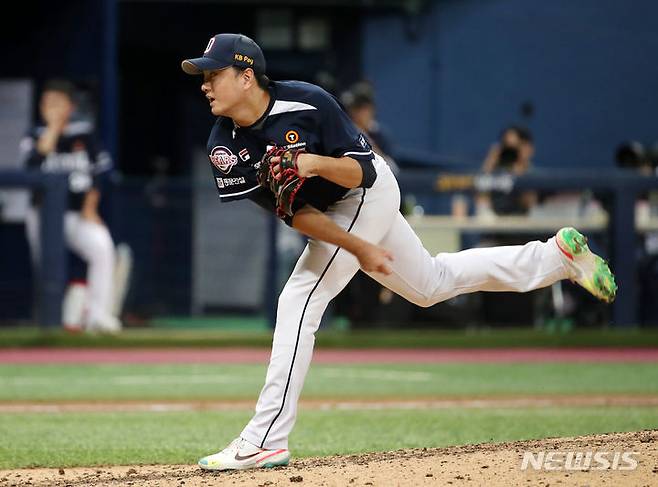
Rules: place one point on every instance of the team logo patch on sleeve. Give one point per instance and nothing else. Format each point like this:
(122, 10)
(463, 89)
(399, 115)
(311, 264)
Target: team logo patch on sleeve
(223, 159)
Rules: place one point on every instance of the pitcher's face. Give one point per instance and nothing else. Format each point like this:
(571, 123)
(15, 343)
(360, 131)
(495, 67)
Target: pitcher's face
(224, 89)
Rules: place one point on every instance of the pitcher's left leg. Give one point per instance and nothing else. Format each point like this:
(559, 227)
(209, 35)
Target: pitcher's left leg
(321, 273)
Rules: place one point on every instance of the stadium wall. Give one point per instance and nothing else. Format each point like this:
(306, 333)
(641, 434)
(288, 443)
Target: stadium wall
(461, 70)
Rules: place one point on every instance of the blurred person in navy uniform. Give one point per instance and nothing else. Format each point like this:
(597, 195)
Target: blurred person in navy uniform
(364, 301)
(359, 101)
(62, 144)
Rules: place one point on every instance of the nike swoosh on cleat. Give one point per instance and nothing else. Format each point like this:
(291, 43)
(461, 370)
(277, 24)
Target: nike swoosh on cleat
(239, 457)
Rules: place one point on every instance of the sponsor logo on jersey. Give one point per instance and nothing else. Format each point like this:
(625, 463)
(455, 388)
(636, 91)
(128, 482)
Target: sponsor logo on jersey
(226, 182)
(292, 136)
(244, 155)
(295, 146)
(67, 162)
(363, 142)
(223, 159)
(76, 164)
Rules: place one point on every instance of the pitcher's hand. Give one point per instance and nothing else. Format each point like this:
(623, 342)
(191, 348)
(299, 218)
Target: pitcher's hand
(373, 258)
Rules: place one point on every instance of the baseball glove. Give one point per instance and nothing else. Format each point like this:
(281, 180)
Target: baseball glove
(286, 183)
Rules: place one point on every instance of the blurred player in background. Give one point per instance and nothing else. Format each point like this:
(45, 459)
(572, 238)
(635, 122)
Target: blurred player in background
(62, 144)
(362, 298)
(359, 102)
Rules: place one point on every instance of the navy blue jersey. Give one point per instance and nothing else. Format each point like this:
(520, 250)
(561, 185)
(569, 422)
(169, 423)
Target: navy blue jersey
(299, 115)
(77, 153)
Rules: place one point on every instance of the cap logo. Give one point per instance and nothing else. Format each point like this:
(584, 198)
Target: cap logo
(210, 43)
(243, 58)
(223, 159)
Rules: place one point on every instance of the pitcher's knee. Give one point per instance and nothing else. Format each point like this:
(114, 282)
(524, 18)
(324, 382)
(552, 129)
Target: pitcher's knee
(524, 287)
(434, 291)
(424, 301)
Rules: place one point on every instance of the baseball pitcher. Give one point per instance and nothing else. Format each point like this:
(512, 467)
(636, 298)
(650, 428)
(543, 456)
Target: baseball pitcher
(289, 147)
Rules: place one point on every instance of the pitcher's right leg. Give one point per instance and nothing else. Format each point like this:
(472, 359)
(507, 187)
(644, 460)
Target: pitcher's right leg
(426, 280)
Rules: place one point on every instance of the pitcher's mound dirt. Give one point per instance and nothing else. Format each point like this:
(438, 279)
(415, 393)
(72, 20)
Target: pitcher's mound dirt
(473, 465)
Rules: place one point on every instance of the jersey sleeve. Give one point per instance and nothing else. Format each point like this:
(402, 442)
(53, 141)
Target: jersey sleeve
(340, 138)
(101, 160)
(30, 156)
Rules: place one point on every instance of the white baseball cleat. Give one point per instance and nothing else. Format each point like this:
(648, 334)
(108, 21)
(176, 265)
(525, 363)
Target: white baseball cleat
(105, 324)
(242, 455)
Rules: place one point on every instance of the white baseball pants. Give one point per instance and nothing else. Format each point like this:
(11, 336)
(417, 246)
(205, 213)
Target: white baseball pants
(323, 270)
(93, 243)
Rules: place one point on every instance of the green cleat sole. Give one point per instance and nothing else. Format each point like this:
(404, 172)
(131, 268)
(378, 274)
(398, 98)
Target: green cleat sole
(591, 271)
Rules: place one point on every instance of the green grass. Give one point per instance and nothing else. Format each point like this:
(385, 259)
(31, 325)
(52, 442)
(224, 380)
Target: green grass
(232, 334)
(242, 323)
(213, 381)
(61, 440)
(74, 439)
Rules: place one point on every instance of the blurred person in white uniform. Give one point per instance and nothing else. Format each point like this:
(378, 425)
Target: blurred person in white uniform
(62, 144)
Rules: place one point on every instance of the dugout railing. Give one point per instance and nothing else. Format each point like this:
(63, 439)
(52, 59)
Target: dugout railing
(51, 272)
(622, 187)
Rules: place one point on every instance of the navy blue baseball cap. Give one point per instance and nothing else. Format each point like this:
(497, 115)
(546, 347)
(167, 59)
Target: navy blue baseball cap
(226, 50)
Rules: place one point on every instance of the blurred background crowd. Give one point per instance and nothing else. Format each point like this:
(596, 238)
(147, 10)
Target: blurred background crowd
(503, 120)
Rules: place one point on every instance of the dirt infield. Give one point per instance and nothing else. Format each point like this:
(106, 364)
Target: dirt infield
(329, 356)
(474, 465)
